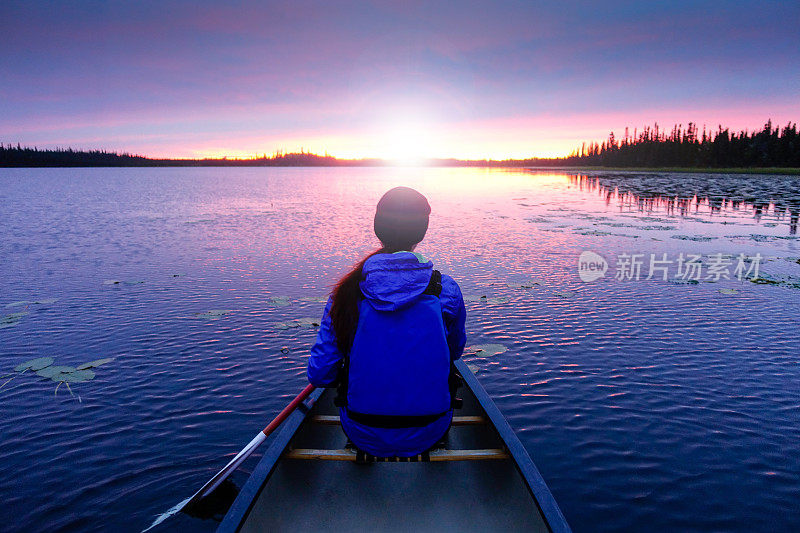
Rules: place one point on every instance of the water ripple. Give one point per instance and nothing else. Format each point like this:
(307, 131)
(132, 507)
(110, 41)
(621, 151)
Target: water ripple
(632, 397)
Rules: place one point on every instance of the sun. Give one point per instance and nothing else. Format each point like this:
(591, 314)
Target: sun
(407, 140)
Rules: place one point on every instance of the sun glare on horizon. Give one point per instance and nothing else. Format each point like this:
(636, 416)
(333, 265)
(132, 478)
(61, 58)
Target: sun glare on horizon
(407, 139)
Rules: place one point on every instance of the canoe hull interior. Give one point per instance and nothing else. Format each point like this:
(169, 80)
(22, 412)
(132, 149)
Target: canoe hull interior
(286, 494)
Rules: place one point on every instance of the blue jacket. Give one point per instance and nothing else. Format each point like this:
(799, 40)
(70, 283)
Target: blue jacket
(401, 354)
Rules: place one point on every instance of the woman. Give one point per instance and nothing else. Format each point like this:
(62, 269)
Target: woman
(389, 334)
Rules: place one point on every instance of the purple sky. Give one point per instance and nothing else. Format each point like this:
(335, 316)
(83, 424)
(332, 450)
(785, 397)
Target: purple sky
(465, 79)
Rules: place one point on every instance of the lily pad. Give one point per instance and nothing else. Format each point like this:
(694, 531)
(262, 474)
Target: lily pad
(76, 376)
(286, 325)
(305, 322)
(523, 285)
(482, 298)
(765, 281)
(279, 301)
(214, 313)
(12, 319)
(55, 370)
(729, 291)
(696, 238)
(94, 364)
(486, 350)
(44, 301)
(111, 282)
(682, 281)
(316, 299)
(34, 364)
(565, 294)
(594, 232)
(616, 224)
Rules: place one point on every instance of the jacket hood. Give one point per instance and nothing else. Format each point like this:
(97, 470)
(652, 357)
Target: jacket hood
(393, 281)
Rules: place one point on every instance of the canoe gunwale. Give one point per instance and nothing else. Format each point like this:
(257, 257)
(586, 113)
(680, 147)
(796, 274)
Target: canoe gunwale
(522, 460)
(248, 496)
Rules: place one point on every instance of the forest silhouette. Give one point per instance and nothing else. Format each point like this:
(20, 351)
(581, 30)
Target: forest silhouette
(651, 148)
(769, 147)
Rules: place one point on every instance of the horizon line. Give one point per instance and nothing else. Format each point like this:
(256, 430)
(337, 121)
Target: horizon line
(647, 133)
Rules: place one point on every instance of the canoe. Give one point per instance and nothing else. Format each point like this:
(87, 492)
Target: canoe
(482, 480)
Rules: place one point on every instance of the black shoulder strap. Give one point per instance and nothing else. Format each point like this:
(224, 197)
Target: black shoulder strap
(434, 287)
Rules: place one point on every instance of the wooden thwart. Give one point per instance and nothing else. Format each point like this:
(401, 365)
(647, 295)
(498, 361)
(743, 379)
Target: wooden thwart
(333, 420)
(436, 455)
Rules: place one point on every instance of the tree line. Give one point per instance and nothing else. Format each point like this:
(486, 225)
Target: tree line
(679, 147)
(652, 147)
(21, 156)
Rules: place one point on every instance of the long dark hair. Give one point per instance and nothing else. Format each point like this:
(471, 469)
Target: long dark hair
(346, 296)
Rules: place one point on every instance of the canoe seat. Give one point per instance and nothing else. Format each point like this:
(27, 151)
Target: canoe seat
(333, 420)
(435, 455)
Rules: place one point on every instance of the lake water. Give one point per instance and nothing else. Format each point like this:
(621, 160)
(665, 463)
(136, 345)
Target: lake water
(648, 405)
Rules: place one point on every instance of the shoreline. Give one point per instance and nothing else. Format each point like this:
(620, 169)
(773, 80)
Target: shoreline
(783, 171)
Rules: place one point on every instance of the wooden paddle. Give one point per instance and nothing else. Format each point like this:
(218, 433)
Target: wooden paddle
(215, 481)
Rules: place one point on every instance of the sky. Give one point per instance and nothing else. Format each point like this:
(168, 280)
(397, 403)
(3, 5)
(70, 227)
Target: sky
(396, 80)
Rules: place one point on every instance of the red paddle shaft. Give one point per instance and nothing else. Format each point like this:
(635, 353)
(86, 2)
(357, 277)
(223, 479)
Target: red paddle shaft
(278, 420)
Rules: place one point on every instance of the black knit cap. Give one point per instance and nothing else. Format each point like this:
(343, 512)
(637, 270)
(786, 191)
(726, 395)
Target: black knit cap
(401, 218)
